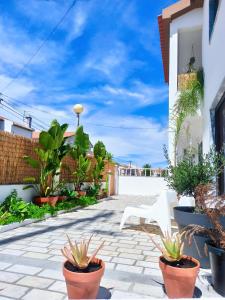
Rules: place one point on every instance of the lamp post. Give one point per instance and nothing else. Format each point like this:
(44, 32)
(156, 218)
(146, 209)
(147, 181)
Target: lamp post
(78, 109)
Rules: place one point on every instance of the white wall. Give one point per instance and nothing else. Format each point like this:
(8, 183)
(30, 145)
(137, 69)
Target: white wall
(21, 131)
(188, 39)
(191, 20)
(146, 186)
(214, 67)
(5, 190)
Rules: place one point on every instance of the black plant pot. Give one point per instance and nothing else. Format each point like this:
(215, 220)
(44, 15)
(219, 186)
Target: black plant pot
(217, 263)
(185, 215)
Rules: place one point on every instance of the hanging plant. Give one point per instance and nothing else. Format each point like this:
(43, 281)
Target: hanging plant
(188, 102)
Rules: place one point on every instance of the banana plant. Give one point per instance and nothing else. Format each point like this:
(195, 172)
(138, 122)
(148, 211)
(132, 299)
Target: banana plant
(100, 155)
(80, 174)
(79, 154)
(50, 153)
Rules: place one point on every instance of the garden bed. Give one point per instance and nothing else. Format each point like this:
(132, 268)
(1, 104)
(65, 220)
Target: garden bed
(14, 225)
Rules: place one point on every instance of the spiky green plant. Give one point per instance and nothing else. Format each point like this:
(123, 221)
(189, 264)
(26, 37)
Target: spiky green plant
(77, 254)
(173, 245)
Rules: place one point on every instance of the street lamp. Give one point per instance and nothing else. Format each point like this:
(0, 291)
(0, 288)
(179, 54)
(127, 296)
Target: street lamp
(78, 109)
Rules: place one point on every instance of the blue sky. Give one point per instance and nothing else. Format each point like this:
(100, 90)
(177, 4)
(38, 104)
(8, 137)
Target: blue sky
(105, 55)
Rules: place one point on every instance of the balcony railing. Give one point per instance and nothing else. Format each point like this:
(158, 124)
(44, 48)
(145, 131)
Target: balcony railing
(144, 172)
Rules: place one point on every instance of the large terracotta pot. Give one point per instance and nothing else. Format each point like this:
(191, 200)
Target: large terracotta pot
(83, 285)
(40, 200)
(179, 282)
(62, 198)
(52, 200)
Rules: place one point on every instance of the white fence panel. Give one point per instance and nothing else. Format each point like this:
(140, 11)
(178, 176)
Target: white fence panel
(145, 186)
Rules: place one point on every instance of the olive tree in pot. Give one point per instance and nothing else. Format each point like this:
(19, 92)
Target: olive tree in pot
(79, 152)
(184, 178)
(49, 155)
(179, 271)
(214, 207)
(82, 272)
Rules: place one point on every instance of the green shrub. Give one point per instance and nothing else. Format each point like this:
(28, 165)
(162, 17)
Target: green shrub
(16, 206)
(86, 200)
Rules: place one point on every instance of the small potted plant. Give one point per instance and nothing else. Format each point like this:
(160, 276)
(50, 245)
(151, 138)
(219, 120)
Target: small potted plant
(214, 207)
(82, 272)
(179, 271)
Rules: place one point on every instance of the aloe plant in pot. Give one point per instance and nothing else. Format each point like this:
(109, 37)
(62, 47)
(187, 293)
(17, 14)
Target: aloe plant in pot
(179, 271)
(82, 272)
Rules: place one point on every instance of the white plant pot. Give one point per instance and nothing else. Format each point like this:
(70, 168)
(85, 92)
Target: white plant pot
(187, 201)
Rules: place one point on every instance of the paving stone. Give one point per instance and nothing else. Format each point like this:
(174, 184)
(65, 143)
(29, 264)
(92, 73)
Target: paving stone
(15, 246)
(128, 242)
(36, 255)
(23, 269)
(122, 245)
(128, 250)
(110, 248)
(52, 274)
(39, 244)
(115, 284)
(152, 258)
(12, 291)
(12, 252)
(147, 289)
(125, 261)
(105, 258)
(35, 282)
(9, 277)
(130, 269)
(37, 249)
(147, 264)
(58, 286)
(36, 294)
(132, 256)
(59, 258)
(124, 295)
(109, 265)
(152, 272)
(4, 265)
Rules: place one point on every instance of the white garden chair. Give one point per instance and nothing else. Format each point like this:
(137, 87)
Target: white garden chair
(159, 211)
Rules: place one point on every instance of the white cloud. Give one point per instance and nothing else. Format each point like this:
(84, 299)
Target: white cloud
(21, 87)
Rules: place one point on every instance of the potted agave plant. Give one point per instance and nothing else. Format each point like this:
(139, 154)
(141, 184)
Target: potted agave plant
(214, 207)
(82, 272)
(179, 271)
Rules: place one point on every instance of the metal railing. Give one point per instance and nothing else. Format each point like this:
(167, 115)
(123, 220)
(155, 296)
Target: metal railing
(142, 172)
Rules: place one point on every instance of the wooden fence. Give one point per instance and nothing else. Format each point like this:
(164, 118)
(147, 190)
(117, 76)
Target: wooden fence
(13, 168)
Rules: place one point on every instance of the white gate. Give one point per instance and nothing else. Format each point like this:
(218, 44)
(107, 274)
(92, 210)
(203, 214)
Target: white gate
(145, 182)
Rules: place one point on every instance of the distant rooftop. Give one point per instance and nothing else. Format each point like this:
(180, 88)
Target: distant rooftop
(22, 125)
(35, 134)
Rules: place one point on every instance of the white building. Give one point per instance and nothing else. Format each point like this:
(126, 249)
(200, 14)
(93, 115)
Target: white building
(196, 28)
(10, 126)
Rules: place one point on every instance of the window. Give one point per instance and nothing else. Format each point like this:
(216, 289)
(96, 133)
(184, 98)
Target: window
(213, 7)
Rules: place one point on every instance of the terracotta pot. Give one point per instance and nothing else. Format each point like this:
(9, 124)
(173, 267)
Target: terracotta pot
(83, 285)
(81, 193)
(52, 200)
(179, 282)
(62, 198)
(40, 200)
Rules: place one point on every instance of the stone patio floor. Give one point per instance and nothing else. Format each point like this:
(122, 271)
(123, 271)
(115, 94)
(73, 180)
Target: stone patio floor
(31, 261)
